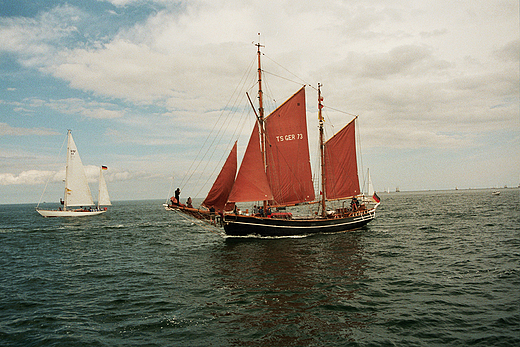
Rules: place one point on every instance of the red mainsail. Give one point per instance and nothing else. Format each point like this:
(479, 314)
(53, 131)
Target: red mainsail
(341, 177)
(251, 182)
(287, 152)
(219, 192)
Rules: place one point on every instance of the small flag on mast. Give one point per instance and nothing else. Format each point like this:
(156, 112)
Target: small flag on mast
(104, 167)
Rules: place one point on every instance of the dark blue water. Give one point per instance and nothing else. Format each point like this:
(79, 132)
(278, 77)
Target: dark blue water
(433, 269)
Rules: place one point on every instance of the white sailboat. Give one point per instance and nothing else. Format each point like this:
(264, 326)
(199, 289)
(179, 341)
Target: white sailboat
(77, 192)
(369, 194)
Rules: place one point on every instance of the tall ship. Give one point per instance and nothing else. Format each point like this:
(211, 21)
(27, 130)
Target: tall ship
(275, 175)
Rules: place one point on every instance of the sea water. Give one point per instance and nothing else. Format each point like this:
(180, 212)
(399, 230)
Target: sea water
(433, 269)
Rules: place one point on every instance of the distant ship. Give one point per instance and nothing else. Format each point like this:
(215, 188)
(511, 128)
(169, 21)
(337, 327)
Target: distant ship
(77, 192)
(276, 171)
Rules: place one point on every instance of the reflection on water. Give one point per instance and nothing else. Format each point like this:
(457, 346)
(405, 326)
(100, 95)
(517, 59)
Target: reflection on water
(279, 289)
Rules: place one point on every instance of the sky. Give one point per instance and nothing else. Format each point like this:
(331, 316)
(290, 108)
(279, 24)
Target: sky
(143, 83)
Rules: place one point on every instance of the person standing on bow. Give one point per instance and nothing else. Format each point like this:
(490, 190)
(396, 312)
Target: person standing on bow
(178, 195)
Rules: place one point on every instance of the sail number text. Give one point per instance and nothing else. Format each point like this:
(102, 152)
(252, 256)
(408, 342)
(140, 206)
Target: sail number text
(289, 137)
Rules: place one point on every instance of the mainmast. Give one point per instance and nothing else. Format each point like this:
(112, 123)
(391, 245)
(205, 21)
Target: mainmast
(261, 111)
(99, 189)
(260, 92)
(66, 193)
(322, 153)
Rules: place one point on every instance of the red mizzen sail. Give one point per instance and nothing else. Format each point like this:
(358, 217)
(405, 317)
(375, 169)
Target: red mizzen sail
(287, 148)
(219, 192)
(341, 177)
(251, 182)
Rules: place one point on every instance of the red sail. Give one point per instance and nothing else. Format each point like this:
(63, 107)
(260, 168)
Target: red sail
(219, 192)
(251, 182)
(288, 162)
(341, 177)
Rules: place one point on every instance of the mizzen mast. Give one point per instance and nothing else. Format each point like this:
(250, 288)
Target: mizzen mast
(322, 153)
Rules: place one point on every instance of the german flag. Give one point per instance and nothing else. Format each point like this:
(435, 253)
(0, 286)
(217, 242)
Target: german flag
(104, 167)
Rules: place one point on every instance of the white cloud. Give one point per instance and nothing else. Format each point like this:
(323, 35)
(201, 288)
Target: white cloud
(120, 69)
(7, 130)
(35, 39)
(86, 109)
(38, 177)
(113, 174)
(509, 52)
(29, 177)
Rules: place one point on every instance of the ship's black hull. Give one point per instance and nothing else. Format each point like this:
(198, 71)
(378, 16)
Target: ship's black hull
(240, 225)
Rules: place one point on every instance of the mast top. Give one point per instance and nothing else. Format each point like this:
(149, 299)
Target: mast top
(258, 44)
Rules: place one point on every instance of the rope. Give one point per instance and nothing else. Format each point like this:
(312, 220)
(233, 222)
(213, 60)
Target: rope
(48, 179)
(219, 134)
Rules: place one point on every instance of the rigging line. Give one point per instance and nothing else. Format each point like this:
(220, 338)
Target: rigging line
(171, 186)
(281, 77)
(238, 99)
(221, 133)
(294, 75)
(190, 173)
(243, 79)
(328, 122)
(309, 85)
(187, 177)
(223, 155)
(48, 179)
(350, 114)
(218, 137)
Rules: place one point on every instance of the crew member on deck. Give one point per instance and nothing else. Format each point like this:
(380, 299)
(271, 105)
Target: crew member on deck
(178, 195)
(188, 203)
(354, 204)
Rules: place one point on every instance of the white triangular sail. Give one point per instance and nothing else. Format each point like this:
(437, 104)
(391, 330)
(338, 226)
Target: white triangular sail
(77, 191)
(103, 198)
(370, 191)
(369, 194)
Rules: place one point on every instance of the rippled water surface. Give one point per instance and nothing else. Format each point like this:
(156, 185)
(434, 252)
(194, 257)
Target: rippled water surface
(433, 269)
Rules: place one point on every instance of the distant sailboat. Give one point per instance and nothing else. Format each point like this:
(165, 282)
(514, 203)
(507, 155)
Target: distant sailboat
(77, 192)
(276, 171)
(369, 194)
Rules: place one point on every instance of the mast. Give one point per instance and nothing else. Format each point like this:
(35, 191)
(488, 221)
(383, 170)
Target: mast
(322, 153)
(261, 110)
(100, 186)
(65, 194)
